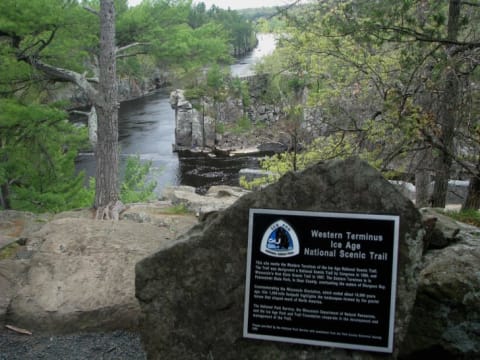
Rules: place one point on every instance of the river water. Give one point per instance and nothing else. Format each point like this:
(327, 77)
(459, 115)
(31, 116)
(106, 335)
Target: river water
(147, 128)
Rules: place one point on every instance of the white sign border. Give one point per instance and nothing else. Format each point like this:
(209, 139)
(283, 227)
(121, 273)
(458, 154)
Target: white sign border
(363, 216)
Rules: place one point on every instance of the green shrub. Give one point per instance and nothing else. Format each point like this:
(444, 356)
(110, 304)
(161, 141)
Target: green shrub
(243, 125)
(135, 187)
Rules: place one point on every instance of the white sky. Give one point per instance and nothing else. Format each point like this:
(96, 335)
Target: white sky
(234, 4)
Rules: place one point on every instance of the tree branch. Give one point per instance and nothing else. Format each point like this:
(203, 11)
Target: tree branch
(425, 38)
(129, 46)
(469, 3)
(93, 11)
(122, 49)
(60, 74)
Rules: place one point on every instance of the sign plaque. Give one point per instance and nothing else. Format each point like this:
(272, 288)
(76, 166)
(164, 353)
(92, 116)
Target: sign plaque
(324, 279)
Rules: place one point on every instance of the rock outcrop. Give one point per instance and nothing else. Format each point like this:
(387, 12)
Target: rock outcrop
(446, 316)
(80, 275)
(192, 292)
(192, 127)
(77, 274)
(216, 199)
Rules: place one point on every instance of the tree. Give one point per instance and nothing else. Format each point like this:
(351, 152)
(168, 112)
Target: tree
(169, 37)
(448, 107)
(106, 103)
(41, 46)
(31, 50)
(135, 186)
(37, 149)
(393, 73)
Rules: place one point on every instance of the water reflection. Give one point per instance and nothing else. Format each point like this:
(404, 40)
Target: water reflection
(245, 66)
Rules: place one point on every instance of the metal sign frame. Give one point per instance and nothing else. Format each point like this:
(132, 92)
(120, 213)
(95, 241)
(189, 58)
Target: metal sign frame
(322, 278)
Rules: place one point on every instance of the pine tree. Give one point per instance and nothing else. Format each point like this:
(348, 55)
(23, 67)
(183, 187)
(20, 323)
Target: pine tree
(37, 150)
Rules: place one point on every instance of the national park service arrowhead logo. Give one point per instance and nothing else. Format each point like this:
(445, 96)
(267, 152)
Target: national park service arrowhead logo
(280, 240)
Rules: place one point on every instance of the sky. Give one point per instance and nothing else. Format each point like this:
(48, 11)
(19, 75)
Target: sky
(235, 4)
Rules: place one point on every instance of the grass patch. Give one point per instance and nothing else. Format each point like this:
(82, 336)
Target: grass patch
(180, 209)
(9, 251)
(471, 217)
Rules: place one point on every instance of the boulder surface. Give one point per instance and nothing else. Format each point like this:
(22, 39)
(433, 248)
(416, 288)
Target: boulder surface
(81, 274)
(446, 316)
(192, 292)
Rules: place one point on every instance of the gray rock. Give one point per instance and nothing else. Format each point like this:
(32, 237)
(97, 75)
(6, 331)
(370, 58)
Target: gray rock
(192, 293)
(12, 275)
(15, 225)
(446, 317)
(441, 229)
(81, 276)
(216, 199)
(274, 147)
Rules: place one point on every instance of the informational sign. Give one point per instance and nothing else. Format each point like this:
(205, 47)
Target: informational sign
(325, 279)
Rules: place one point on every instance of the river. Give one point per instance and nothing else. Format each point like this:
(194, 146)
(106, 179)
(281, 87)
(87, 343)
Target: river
(147, 128)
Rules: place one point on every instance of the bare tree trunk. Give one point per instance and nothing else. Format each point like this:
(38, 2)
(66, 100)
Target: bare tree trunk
(422, 178)
(447, 112)
(5, 197)
(106, 191)
(473, 198)
(472, 202)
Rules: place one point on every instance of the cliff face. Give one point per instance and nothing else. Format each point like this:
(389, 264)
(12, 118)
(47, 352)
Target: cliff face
(128, 88)
(229, 124)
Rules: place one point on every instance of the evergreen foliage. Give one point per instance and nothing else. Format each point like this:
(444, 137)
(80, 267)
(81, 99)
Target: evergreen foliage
(47, 42)
(135, 186)
(37, 152)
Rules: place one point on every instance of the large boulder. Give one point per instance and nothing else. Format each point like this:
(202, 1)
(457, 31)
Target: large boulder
(15, 225)
(446, 317)
(12, 274)
(81, 274)
(15, 228)
(192, 293)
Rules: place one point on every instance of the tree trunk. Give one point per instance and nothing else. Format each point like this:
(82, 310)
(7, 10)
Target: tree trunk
(106, 191)
(422, 182)
(423, 172)
(473, 198)
(447, 112)
(5, 197)
(472, 202)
